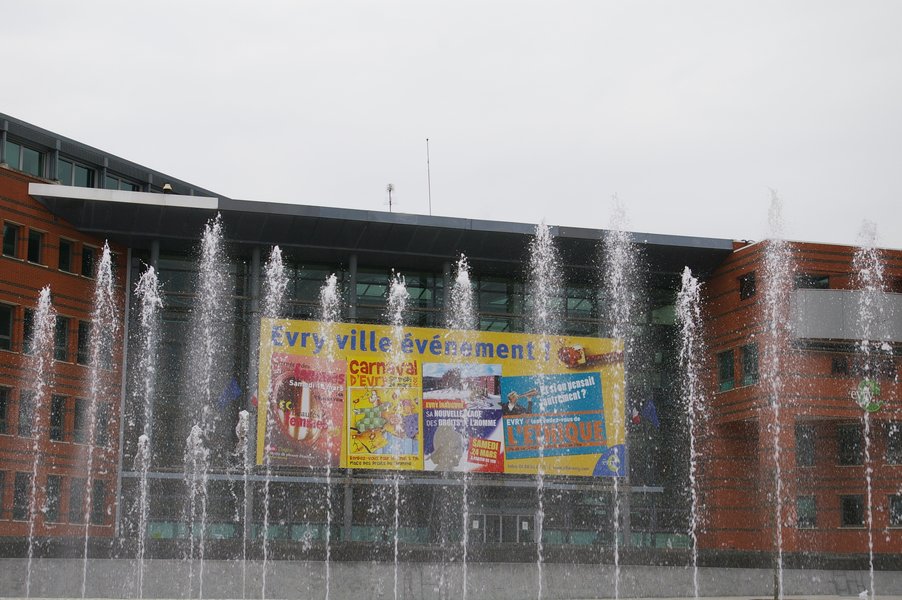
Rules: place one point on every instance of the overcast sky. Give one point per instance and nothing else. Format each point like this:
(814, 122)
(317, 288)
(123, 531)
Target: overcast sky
(690, 112)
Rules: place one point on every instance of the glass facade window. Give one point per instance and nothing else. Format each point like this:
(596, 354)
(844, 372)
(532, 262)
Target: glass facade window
(98, 502)
(25, 159)
(725, 371)
(61, 339)
(11, 240)
(25, 424)
(84, 339)
(850, 443)
(77, 487)
(72, 173)
(805, 445)
(102, 430)
(57, 417)
(894, 443)
(87, 261)
(749, 364)
(851, 510)
(28, 330)
(806, 512)
(2, 494)
(52, 500)
(80, 424)
(747, 286)
(812, 282)
(895, 510)
(35, 246)
(115, 182)
(500, 303)
(22, 496)
(66, 250)
(6, 327)
(5, 395)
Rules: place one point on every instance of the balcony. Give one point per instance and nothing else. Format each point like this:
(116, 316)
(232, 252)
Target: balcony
(833, 315)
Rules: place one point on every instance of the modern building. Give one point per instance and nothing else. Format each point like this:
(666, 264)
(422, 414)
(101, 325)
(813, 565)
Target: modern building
(61, 199)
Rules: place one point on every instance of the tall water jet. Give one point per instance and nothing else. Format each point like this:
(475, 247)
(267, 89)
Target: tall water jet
(104, 332)
(688, 308)
(545, 287)
(144, 379)
(872, 320)
(329, 314)
(398, 297)
(620, 284)
(243, 451)
(462, 319)
(40, 347)
(206, 373)
(275, 284)
(779, 270)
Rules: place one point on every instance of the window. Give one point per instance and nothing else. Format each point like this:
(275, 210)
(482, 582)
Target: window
(87, 261)
(839, 365)
(115, 182)
(806, 512)
(2, 491)
(61, 339)
(80, 426)
(52, 499)
(26, 413)
(67, 248)
(25, 159)
(57, 417)
(851, 445)
(749, 364)
(77, 500)
(805, 445)
(84, 338)
(98, 502)
(812, 282)
(6, 327)
(10, 239)
(725, 370)
(851, 509)
(22, 497)
(4, 412)
(35, 246)
(102, 429)
(72, 173)
(28, 330)
(894, 443)
(895, 510)
(747, 286)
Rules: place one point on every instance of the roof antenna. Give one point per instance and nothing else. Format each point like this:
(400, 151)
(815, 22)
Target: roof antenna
(389, 188)
(428, 178)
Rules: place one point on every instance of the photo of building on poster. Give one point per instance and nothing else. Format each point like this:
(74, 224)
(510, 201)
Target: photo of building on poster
(385, 417)
(462, 417)
(306, 411)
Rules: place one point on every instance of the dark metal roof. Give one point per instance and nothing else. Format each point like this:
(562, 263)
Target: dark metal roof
(329, 235)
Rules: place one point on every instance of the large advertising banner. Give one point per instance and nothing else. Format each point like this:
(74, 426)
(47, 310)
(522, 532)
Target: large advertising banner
(439, 400)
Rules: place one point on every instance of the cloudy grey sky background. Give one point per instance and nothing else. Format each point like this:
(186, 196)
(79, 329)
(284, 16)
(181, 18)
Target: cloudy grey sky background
(690, 112)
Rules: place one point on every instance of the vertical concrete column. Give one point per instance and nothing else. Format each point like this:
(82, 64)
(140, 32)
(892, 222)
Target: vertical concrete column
(55, 163)
(101, 180)
(155, 255)
(352, 288)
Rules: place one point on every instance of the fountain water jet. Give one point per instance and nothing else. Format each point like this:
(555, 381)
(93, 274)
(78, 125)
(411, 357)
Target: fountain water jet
(244, 451)
(40, 344)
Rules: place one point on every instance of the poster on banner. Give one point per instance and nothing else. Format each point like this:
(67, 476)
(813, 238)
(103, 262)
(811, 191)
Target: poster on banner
(441, 400)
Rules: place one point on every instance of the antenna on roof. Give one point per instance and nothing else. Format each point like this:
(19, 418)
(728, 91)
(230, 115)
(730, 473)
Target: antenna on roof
(389, 188)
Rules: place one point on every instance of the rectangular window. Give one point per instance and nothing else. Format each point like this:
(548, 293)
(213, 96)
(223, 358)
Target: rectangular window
(747, 286)
(61, 339)
(894, 443)
(77, 500)
(10, 239)
(22, 497)
(102, 429)
(850, 445)
(32, 162)
(13, 154)
(26, 413)
(80, 426)
(35, 246)
(5, 395)
(52, 500)
(67, 248)
(28, 330)
(895, 510)
(806, 512)
(851, 509)
(725, 370)
(98, 502)
(84, 339)
(87, 261)
(57, 417)
(6, 327)
(839, 365)
(114, 182)
(805, 445)
(72, 173)
(749, 364)
(2, 492)
(812, 282)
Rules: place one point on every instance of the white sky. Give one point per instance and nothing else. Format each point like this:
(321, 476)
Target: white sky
(688, 111)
